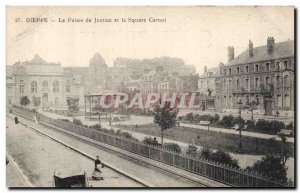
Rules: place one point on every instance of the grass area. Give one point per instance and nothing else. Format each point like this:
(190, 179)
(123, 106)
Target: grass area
(211, 139)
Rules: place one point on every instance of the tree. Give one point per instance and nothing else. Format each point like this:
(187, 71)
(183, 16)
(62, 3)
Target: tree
(36, 101)
(272, 167)
(24, 101)
(72, 104)
(251, 106)
(285, 150)
(165, 117)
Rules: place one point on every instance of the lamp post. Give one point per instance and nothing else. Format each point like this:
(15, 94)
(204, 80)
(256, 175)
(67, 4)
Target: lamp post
(240, 126)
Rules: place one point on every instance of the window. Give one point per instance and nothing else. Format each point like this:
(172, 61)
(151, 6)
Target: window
(287, 100)
(9, 90)
(286, 81)
(21, 89)
(229, 71)
(246, 69)
(33, 86)
(277, 65)
(68, 88)
(278, 81)
(279, 101)
(55, 86)
(207, 84)
(237, 83)
(257, 99)
(229, 84)
(225, 101)
(45, 84)
(202, 84)
(256, 67)
(238, 70)
(247, 85)
(285, 64)
(267, 66)
(248, 99)
(256, 83)
(56, 100)
(225, 72)
(21, 81)
(267, 82)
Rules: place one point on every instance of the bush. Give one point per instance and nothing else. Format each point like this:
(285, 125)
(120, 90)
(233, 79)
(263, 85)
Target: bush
(173, 147)
(272, 167)
(189, 117)
(251, 124)
(207, 118)
(220, 157)
(77, 122)
(270, 127)
(96, 126)
(290, 126)
(226, 121)
(238, 120)
(149, 141)
(192, 150)
(216, 118)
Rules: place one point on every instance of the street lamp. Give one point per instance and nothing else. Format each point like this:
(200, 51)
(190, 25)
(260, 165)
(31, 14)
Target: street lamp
(239, 124)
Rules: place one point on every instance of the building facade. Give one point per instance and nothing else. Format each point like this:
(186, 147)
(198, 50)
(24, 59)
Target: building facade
(263, 74)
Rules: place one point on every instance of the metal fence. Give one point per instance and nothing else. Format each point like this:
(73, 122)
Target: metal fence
(209, 169)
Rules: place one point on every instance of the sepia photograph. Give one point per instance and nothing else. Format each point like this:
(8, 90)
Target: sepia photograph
(150, 97)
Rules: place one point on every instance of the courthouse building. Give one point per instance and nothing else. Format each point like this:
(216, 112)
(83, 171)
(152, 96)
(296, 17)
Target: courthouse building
(264, 74)
(43, 80)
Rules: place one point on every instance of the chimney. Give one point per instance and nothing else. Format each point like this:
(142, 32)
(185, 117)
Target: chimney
(270, 44)
(205, 68)
(250, 48)
(230, 53)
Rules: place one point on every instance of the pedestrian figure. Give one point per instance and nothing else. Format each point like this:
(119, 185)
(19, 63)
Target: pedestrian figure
(277, 113)
(97, 174)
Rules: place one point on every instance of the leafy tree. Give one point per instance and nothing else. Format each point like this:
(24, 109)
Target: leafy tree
(272, 167)
(285, 150)
(24, 101)
(149, 140)
(72, 104)
(251, 106)
(165, 117)
(36, 101)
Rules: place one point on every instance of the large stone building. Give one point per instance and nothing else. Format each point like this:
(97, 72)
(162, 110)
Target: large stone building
(264, 74)
(43, 80)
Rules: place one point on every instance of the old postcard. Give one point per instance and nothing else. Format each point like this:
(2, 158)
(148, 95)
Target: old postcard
(149, 97)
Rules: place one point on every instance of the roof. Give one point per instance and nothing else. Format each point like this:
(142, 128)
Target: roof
(211, 72)
(280, 50)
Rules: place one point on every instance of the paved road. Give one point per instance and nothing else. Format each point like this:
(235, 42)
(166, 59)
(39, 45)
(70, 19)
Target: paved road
(154, 176)
(39, 157)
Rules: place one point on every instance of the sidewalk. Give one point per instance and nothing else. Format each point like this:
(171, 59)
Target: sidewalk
(14, 175)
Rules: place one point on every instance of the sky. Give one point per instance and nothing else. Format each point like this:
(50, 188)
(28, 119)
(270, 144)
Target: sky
(198, 35)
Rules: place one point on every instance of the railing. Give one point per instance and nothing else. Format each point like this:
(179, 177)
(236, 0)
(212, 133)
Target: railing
(209, 169)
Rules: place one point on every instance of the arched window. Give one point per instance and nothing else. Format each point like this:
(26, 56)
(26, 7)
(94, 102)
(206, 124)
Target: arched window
(45, 84)
(55, 86)
(33, 86)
